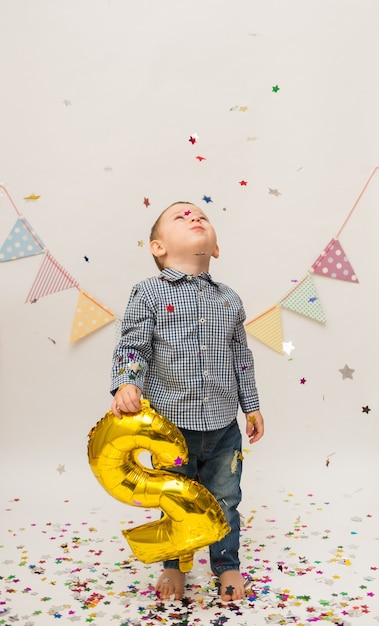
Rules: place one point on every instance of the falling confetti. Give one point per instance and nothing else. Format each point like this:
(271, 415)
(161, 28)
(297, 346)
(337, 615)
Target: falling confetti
(366, 409)
(193, 138)
(274, 192)
(243, 183)
(288, 347)
(146, 202)
(275, 88)
(32, 197)
(346, 372)
(207, 199)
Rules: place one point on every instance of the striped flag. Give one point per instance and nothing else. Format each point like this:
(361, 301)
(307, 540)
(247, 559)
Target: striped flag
(51, 277)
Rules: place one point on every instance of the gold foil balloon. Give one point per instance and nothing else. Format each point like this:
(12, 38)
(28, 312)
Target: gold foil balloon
(192, 517)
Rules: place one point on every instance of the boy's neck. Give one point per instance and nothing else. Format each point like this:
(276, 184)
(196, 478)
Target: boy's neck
(195, 266)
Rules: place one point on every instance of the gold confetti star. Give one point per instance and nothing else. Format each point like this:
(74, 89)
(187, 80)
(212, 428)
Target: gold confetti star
(141, 243)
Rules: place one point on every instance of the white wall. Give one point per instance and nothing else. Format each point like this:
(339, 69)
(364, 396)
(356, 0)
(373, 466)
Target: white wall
(140, 78)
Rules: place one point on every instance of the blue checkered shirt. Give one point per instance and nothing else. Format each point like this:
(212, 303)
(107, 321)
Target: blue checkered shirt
(183, 343)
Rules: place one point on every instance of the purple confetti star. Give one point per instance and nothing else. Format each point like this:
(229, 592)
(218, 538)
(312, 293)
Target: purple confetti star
(178, 461)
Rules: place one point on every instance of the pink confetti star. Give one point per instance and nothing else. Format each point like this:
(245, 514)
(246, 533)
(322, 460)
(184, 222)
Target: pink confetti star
(303, 381)
(178, 461)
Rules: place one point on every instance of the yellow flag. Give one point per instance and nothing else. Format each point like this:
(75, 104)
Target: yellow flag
(267, 327)
(89, 316)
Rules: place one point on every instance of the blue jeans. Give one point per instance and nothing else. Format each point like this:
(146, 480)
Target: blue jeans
(215, 461)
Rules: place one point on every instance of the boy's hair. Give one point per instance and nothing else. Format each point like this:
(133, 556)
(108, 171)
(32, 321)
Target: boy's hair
(155, 229)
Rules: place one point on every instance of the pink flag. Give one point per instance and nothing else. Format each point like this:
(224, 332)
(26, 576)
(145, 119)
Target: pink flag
(334, 263)
(51, 278)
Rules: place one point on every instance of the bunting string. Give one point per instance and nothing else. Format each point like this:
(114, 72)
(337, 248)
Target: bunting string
(52, 277)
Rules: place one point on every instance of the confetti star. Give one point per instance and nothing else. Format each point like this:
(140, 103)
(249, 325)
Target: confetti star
(170, 308)
(313, 299)
(146, 202)
(201, 158)
(207, 199)
(61, 469)
(243, 109)
(303, 381)
(108, 169)
(243, 183)
(186, 213)
(135, 367)
(193, 138)
(32, 196)
(229, 590)
(275, 88)
(86, 258)
(178, 461)
(140, 243)
(288, 347)
(366, 409)
(346, 372)
(274, 192)
(66, 102)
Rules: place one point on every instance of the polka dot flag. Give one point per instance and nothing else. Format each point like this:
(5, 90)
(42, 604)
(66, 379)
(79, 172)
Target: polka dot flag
(89, 316)
(21, 242)
(334, 263)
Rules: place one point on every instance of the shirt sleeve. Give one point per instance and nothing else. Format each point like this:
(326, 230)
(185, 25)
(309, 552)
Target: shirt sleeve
(244, 367)
(132, 354)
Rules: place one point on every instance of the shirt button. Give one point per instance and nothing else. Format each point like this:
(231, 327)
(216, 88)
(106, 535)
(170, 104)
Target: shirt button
(189, 277)
(206, 399)
(203, 347)
(205, 373)
(200, 293)
(202, 320)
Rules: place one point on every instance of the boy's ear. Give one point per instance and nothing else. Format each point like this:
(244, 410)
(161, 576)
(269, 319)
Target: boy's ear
(157, 248)
(216, 252)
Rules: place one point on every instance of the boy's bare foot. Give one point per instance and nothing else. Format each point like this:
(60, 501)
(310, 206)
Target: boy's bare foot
(170, 583)
(232, 586)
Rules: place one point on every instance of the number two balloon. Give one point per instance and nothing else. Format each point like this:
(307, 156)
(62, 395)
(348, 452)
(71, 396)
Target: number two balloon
(192, 517)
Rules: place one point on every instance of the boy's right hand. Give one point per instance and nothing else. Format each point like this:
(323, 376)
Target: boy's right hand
(126, 400)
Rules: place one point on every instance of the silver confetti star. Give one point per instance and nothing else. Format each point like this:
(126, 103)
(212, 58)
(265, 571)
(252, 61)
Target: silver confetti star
(346, 372)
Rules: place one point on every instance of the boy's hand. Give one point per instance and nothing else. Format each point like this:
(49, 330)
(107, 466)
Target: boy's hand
(254, 426)
(126, 400)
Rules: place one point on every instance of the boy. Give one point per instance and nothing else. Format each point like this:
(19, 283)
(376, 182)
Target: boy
(184, 347)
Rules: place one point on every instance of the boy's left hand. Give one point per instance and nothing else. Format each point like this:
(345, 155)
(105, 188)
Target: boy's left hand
(254, 426)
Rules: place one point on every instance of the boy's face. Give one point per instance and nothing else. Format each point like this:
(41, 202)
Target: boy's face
(184, 231)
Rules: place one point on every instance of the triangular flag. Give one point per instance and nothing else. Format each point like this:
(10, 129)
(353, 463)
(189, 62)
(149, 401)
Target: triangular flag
(303, 299)
(21, 242)
(267, 327)
(334, 263)
(51, 278)
(89, 316)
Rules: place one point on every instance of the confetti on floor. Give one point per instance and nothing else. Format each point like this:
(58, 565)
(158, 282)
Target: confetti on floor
(303, 563)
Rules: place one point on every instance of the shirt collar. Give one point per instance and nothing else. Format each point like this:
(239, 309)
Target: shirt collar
(175, 275)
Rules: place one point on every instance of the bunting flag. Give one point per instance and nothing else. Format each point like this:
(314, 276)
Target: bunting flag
(21, 242)
(267, 327)
(89, 316)
(51, 278)
(334, 263)
(303, 299)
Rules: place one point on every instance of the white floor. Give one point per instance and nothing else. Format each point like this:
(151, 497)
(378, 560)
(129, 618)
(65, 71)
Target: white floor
(308, 556)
